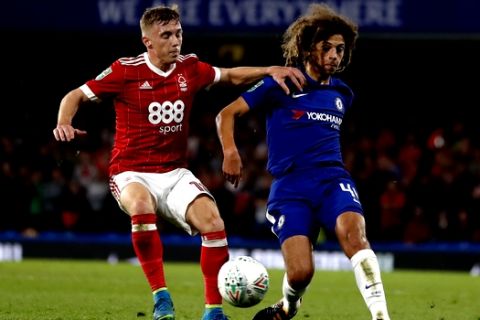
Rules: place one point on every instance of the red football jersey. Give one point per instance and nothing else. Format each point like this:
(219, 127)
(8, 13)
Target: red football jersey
(152, 110)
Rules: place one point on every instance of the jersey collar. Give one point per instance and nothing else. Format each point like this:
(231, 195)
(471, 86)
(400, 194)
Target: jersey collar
(157, 70)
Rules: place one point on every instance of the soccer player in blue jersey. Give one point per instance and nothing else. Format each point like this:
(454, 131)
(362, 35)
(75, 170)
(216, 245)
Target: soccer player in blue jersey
(311, 187)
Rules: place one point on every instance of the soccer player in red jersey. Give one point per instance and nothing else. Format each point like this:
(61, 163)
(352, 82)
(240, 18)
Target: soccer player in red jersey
(153, 95)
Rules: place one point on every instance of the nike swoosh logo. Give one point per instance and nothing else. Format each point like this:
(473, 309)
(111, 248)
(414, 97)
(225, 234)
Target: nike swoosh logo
(373, 284)
(298, 95)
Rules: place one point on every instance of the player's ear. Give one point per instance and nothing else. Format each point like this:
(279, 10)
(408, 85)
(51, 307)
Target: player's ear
(147, 42)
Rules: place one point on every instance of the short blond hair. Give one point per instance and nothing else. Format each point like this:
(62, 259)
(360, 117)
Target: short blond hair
(158, 14)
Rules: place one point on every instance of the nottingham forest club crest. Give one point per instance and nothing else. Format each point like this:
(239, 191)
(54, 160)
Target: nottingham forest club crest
(182, 82)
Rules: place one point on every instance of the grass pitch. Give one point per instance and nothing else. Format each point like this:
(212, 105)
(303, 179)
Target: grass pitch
(71, 290)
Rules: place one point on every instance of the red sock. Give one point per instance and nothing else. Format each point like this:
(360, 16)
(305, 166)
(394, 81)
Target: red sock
(148, 248)
(213, 255)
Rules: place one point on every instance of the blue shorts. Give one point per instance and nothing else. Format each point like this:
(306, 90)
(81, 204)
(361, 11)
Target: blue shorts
(303, 201)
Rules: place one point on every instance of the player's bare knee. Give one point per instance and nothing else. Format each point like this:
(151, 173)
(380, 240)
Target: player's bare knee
(357, 242)
(353, 242)
(301, 277)
(299, 273)
(139, 206)
(214, 223)
(205, 221)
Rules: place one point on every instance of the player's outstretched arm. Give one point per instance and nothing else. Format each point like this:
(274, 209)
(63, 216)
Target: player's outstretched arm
(225, 122)
(246, 75)
(68, 108)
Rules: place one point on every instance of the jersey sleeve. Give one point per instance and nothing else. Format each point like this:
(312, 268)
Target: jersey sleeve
(346, 91)
(208, 74)
(108, 83)
(205, 73)
(264, 90)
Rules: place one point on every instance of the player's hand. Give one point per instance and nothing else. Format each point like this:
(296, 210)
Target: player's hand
(65, 132)
(281, 74)
(232, 167)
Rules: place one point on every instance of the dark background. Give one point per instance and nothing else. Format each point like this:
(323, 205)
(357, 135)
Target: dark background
(405, 83)
(410, 84)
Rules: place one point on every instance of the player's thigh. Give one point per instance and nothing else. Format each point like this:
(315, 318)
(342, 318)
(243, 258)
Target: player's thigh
(190, 195)
(132, 193)
(203, 214)
(137, 199)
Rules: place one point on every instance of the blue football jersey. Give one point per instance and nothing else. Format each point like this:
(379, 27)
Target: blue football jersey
(303, 128)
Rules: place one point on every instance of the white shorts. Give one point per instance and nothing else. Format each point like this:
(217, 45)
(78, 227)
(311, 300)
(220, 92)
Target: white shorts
(173, 192)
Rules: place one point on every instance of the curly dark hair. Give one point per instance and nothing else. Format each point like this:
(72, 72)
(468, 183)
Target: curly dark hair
(319, 23)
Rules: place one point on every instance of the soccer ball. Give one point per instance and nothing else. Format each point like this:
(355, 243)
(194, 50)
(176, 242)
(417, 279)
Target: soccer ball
(243, 281)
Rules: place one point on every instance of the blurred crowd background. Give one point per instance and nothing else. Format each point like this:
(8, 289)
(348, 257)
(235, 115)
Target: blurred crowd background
(411, 141)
